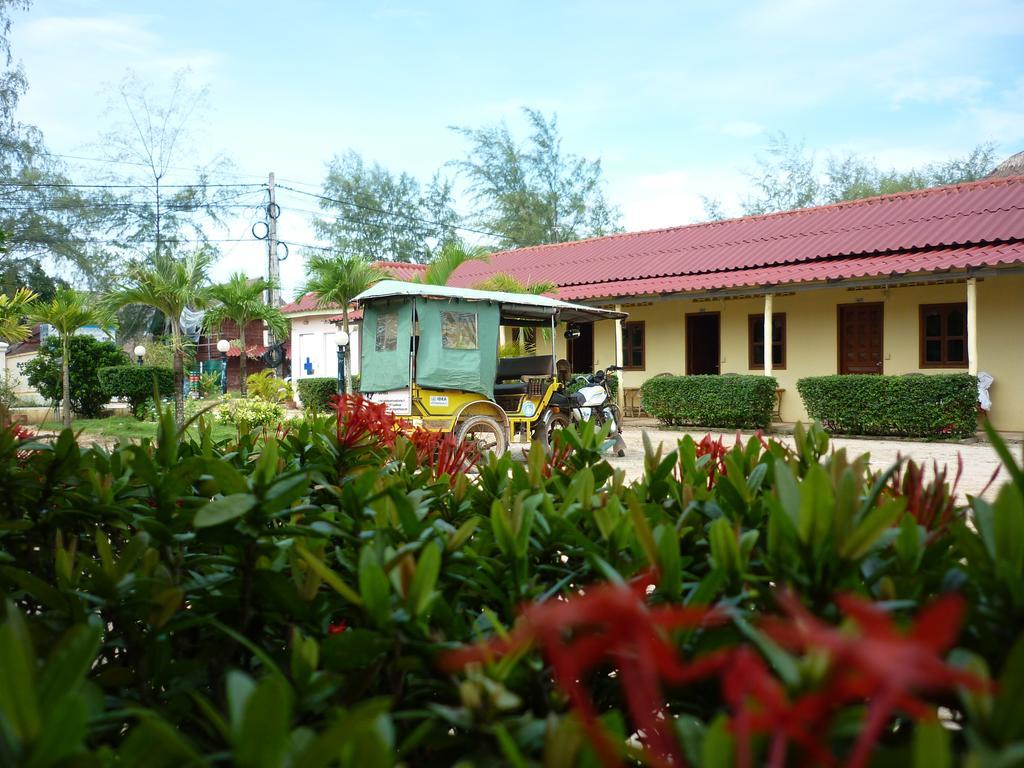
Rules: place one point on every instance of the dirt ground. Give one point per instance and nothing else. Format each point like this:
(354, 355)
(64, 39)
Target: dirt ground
(980, 459)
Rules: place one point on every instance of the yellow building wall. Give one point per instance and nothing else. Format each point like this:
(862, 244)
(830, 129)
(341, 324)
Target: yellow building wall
(812, 337)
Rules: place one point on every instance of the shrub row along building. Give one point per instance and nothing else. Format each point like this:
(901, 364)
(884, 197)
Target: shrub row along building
(918, 282)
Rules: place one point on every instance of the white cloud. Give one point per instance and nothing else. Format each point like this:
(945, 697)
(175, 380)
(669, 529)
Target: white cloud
(674, 197)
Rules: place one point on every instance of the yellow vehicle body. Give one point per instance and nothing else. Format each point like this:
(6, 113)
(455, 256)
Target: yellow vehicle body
(441, 410)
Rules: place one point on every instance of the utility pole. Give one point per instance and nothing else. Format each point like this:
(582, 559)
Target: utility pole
(273, 265)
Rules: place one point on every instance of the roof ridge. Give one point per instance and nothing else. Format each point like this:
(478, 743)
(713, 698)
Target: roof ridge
(906, 194)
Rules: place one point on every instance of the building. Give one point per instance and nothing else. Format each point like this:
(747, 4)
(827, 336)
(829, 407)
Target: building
(924, 282)
(255, 346)
(314, 353)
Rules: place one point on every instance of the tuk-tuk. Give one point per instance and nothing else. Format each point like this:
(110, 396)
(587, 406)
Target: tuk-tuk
(431, 354)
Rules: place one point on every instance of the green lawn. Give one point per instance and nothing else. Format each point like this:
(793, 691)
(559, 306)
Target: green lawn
(123, 428)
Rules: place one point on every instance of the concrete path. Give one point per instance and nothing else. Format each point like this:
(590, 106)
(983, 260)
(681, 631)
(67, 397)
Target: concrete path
(980, 459)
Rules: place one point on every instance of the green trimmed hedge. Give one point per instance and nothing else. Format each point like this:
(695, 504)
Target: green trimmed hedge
(135, 383)
(909, 406)
(710, 401)
(315, 392)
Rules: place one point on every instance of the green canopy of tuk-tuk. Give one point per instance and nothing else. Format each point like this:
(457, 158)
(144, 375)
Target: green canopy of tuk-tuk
(456, 347)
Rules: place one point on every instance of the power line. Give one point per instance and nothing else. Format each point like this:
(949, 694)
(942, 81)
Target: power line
(62, 185)
(409, 216)
(194, 169)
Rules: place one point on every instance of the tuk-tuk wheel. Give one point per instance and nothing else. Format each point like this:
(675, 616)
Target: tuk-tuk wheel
(485, 431)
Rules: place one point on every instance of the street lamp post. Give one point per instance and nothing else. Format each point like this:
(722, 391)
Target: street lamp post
(223, 346)
(140, 352)
(341, 340)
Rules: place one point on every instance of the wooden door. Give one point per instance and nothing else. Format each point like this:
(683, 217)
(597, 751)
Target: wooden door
(860, 338)
(703, 343)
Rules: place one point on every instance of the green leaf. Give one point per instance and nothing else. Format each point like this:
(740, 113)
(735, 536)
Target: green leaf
(817, 507)
(239, 688)
(155, 744)
(1008, 706)
(1008, 527)
(330, 577)
(931, 745)
(264, 734)
(19, 703)
(224, 509)
(68, 664)
(374, 587)
(63, 733)
(724, 548)
(669, 561)
(867, 532)
(421, 588)
(717, 749)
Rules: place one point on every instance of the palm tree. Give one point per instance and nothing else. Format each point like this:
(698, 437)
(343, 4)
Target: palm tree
(169, 285)
(13, 310)
(240, 300)
(453, 254)
(502, 281)
(68, 311)
(336, 280)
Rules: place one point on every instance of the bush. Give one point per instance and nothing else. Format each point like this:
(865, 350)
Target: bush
(135, 383)
(266, 386)
(249, 413)
(316, 392)
(352, 597)
(710, 401)
(88, 356)
(908, 406)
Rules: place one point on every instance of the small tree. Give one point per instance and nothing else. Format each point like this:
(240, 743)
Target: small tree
(85, 356)
(337, 280)
(170, 286)
(240, 300)
(68, 311)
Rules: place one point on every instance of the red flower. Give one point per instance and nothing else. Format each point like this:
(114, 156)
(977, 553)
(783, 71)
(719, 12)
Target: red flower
(360, 420)
(611, 623)
(760, 705)
(445, 454)
(337, 628)
(879, 664)
(932, 504)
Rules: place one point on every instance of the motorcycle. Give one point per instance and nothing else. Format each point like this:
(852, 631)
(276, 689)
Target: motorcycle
(590, 402)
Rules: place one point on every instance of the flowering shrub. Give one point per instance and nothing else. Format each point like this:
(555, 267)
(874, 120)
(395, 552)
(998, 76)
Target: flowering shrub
(249, 413)
(342, 591)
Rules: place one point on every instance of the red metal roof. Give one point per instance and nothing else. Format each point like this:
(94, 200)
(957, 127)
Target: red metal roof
(831, 269)
(400, 270)
(923, 221)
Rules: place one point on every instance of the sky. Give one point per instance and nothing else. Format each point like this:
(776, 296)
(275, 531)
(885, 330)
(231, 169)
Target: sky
(676, 98)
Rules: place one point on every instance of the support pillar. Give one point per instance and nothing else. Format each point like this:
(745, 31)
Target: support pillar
(620, 397)
(972, 326)
(768, 334)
